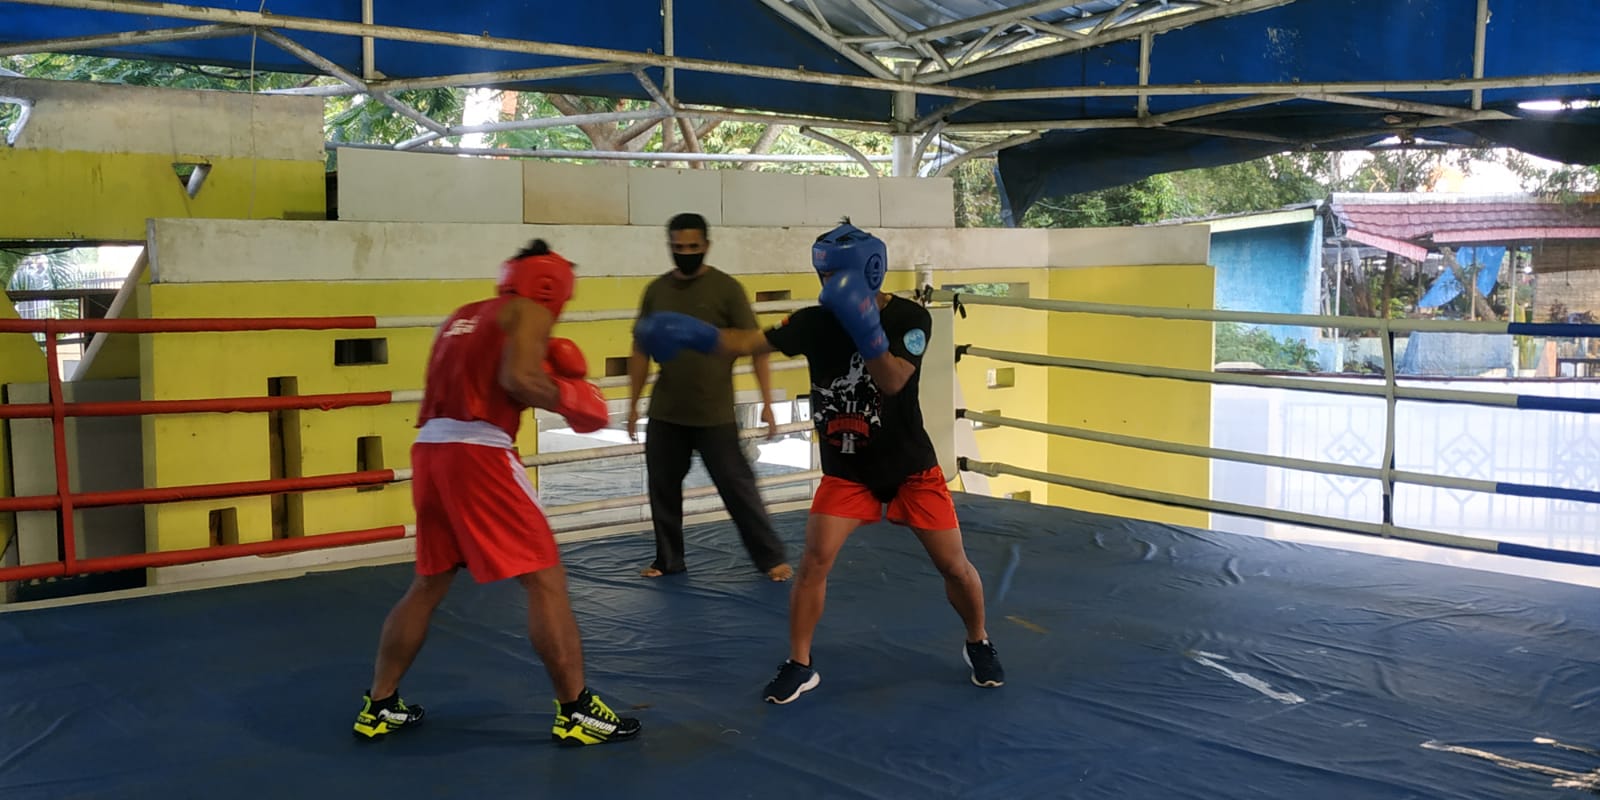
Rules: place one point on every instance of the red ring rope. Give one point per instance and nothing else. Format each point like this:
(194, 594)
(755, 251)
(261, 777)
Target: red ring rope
(325, 402)
(194, 325)
(65, 500)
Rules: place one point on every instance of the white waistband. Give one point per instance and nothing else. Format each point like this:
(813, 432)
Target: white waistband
(440, 430)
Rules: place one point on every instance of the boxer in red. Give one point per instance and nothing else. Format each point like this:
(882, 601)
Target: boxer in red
(475, 506)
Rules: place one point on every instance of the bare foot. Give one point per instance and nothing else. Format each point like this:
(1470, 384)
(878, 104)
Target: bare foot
(650, 572)
(781, 573)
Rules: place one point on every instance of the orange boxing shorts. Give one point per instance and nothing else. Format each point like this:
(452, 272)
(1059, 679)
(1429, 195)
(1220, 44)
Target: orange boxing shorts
(923, 502)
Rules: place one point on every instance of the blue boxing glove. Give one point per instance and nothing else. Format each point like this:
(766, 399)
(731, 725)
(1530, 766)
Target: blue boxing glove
(855, 305)
(664, 333)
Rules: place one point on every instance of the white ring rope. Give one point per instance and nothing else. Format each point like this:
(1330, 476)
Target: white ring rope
(703, 491)
(1215, 315)
(1388, 390)
(1235, 509)
(1321, 467)
(1298, 384)
(615, 451)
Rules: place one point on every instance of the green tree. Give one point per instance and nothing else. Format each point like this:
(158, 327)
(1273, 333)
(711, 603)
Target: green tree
(1239, 342)
(1148, 200)
(43, 270)
(1565, 182)
(1259, 185)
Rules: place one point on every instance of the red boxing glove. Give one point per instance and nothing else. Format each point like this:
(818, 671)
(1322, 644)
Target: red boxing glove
(581, 404)
(563, 358)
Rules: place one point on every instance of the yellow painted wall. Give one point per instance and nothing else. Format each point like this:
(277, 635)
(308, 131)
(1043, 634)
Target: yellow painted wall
(113, 194)
(1028, 399)
(213, 448)
(21, 361)
(1149, 407)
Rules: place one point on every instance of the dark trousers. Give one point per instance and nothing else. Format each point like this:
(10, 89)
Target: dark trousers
(667, 452)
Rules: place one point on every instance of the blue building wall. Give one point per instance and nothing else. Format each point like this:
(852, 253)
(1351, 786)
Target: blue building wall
(1274, 269)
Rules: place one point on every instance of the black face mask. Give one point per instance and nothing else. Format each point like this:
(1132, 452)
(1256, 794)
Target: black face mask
(688, 263)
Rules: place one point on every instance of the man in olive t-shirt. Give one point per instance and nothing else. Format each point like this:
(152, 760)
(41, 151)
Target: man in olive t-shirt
(692, 410)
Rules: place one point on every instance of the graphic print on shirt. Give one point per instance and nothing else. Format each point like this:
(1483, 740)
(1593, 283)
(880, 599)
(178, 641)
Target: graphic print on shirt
(850, 410)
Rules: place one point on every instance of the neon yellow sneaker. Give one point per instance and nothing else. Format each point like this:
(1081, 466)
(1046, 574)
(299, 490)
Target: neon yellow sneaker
(591, 721)
(381, 719)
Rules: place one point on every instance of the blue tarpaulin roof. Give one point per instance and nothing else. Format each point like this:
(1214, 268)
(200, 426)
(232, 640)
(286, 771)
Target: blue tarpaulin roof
(1295, 45)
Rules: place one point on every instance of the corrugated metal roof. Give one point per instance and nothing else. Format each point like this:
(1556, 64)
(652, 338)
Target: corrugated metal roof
(849, 18)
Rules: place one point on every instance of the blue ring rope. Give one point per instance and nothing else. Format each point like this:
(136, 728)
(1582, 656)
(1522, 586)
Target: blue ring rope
(1582, 405)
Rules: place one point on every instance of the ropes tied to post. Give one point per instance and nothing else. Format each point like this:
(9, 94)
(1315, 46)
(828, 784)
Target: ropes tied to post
(1388, 391)
(65, 500)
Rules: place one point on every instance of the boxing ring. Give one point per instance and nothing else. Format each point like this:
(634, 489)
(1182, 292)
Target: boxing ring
(1143, 659)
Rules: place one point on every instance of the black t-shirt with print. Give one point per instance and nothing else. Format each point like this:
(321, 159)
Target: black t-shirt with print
(866, 437)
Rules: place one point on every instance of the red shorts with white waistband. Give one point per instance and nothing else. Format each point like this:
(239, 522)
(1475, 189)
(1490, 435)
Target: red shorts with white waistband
(477, 509)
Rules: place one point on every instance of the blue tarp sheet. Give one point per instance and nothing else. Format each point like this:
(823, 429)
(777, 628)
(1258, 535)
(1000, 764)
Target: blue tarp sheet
(1308, 41)
(1485, 262)
(1143, 660)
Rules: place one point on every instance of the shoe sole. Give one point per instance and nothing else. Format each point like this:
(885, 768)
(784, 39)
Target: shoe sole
(816, 678)
(974, 676)
(573, 741)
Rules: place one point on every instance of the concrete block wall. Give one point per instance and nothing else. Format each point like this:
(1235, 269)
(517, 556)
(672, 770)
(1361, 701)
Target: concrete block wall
(96, 162)
(387, 186)
(103, 454)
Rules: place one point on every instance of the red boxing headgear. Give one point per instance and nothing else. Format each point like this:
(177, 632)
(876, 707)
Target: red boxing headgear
(539, 275)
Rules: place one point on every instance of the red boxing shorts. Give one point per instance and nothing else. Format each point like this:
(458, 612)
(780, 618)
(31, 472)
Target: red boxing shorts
(476, 508)
(923, 502)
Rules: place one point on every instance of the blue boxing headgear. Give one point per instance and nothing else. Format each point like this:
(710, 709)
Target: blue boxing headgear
(850, 249)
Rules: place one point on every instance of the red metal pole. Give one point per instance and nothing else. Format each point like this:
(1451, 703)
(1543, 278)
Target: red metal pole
(196, 325)
(212, 491)
(221, 405)
(174, 557)
(38, 502)
(54, 569)
(58, 429)
(204, 491)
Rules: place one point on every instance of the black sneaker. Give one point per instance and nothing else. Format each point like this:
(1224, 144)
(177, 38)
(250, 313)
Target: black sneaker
(985, 664)
(381, 719)
(791, 681)
(592, 722)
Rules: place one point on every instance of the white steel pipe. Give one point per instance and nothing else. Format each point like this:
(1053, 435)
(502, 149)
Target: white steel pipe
(1103, 35)
(532, 124)
(124, 39)
(619, 155)
(829, 40)
(1328, 87)
(468, 80)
